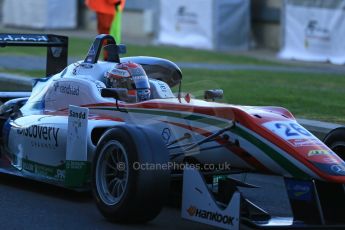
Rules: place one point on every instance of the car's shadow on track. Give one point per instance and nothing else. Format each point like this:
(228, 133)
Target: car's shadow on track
(45, 189)
(44, 206)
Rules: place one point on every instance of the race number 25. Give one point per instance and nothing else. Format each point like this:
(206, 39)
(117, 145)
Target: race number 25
(287, 130)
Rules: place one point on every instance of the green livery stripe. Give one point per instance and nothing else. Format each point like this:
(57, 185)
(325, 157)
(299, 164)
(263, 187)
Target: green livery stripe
(72, 173)
(78, 173)
(191, 117)
(273, 154)
(270, 152)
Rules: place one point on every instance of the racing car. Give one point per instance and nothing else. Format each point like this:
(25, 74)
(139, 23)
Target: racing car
(115, 126)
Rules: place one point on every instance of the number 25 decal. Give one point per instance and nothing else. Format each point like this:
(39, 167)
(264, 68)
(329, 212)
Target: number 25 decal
(292, 129)
(287, 130)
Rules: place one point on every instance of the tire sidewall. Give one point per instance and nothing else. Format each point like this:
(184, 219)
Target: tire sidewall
(125, 140)
(146, 190)
(335, 136)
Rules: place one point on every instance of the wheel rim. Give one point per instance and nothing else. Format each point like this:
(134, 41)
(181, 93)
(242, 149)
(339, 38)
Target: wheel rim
(112, 173)
(339, 148)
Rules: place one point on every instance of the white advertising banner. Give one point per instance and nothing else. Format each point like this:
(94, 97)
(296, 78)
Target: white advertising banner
(314, 33)
(40, 14)
(186, 23)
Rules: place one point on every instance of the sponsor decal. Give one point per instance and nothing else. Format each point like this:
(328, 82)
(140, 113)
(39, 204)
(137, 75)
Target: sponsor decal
(162, 87)
(141, 77)
(28, 166)
(166, 134)
(69, 89)
(191, 210)
(78, 165)
(338, 169)
(60, 174)
(85, 65)
(79, 115)
(79, 175)
(120, 72)
(305, 142)
(42, 136)
(299, 190)
(288, 130)
(331, 160)
(208, 215)
(318, 152)
(333, 169)
(44, 170)
(20, 38)
(92, 51)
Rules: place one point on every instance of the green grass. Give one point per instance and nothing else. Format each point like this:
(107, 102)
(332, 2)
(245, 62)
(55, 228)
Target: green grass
(191, 55)
(78, 47)
(313, 96)
(28, 73)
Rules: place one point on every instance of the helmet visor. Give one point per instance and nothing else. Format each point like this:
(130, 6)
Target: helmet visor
(139, 78)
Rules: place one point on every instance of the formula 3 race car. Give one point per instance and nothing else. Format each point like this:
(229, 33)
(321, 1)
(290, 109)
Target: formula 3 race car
(75, 130)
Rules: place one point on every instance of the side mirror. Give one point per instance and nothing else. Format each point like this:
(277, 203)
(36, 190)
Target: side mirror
(117, 94)
(114, 50)
(110, 93)
(213, 94)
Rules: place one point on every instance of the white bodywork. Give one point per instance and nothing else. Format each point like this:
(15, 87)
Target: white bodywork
(199, 205)
(39, 139)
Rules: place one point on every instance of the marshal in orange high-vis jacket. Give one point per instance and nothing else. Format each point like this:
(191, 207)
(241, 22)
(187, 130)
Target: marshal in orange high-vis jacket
(105, 10)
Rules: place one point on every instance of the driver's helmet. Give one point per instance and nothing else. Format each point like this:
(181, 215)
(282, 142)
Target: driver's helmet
(131, 76)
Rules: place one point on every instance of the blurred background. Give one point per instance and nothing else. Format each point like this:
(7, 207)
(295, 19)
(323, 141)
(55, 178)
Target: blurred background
(239, 24)
(260, 52)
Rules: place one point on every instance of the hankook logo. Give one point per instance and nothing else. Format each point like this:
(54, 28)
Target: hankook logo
(212, 216)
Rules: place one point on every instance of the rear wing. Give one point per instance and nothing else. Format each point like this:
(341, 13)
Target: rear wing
(57, 48)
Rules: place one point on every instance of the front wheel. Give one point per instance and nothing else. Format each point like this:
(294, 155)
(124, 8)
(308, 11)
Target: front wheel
(124, 191)
(335, 140)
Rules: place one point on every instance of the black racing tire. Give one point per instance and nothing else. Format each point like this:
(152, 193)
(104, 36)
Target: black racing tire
(335, 140)
(136, 196)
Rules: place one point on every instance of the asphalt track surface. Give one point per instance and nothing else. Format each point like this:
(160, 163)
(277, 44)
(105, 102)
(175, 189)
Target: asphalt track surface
(25, 204)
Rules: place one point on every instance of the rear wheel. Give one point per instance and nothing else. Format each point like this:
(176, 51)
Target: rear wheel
(124, 191)
(335, 140)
